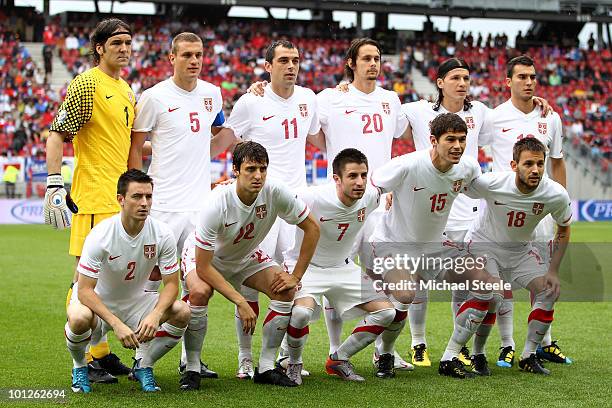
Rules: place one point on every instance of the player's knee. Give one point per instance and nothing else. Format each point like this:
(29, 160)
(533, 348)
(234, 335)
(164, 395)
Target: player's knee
(404, 296)
(300, 316)
(181, 313)
(200, 293)
(384, 317)
(79, 318)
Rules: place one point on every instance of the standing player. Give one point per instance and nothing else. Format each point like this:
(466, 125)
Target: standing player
(516, 203)
(367, 118)
(178, 114)
(97, 115)
(118, 257)
(453, 82)
(425, 184)
(282, 120)
(519, 118)
(225, 249)
(342, 207)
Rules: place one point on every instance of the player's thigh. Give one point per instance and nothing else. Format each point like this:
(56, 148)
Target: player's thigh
(529, 272)
(81, 226)
(305, 301)
(263, 279)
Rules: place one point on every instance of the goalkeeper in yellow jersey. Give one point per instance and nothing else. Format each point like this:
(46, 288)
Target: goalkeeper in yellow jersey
(97, 116)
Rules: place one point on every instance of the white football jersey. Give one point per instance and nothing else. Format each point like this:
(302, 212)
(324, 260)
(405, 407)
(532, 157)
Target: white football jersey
(511, 216)
(122, 264)
(367, 122)
(281, 126)
(422, 196)
(420, 114)
(179, 122)
(234, 230)
(508, 125)
(339, 224)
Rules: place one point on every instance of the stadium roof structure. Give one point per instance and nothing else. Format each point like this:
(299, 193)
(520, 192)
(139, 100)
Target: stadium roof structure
(542, 10)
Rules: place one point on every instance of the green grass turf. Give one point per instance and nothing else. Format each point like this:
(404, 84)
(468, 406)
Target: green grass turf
(36, 270)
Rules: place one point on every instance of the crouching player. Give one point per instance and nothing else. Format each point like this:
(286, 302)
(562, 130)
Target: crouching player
(225, 253)
(118, 257)
(341, 209)
(424, 186)
(516, 202)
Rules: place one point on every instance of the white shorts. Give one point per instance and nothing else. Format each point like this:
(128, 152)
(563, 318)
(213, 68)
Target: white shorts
(131, 316)
(435, 257)
(181, 224)
(280, 238)
(344, 286)
(517, 265)
(235, 272)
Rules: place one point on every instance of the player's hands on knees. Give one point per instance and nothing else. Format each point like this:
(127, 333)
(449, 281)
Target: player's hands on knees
(57, 203)
(257, 88)
(126, 336)
(343, 87)
(248, 317)
(543, 103)
(148, 327)
(284, 281)
(552, 283)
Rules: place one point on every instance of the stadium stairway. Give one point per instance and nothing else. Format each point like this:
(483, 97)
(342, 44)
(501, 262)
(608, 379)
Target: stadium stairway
(60, 75)
(423, 85)
(584, 180)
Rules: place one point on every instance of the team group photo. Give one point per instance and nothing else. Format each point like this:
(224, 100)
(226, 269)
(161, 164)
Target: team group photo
(241, 212)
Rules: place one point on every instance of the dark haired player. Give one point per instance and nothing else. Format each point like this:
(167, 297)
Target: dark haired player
(516, 203)
(97, 115)
(226, 254)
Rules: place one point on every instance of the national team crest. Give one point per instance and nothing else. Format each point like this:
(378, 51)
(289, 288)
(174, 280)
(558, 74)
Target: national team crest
(542, 127)
(469, 121)
(303, 110)
(457, 185)
(537, 208)
(386, 108)
(361, 214)
(131, 97)
(149, 251)
(208, 104)
(261, 212)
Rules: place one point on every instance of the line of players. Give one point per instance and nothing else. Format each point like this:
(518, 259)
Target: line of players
(366, 117)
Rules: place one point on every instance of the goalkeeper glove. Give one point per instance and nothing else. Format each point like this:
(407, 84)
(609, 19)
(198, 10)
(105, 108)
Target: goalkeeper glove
(57, 203)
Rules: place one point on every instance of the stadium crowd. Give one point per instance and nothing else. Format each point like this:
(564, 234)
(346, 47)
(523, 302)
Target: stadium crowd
(574, 80)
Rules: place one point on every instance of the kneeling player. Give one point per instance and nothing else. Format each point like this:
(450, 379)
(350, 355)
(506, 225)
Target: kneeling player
(341, 208)
(118, 257)
(227, 254)
(424, 185)
(516, 202)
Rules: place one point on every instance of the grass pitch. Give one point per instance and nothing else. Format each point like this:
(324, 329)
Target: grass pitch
(36, 270)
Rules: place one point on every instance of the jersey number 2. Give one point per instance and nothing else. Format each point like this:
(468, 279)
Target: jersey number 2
(131, 267)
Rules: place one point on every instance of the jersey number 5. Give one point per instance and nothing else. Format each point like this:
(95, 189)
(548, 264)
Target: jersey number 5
(195, 122)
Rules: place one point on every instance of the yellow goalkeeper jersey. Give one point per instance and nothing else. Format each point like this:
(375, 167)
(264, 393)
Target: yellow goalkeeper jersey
(98, 112)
